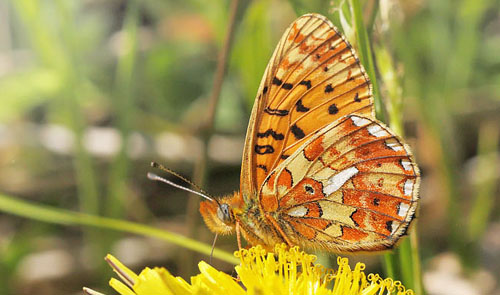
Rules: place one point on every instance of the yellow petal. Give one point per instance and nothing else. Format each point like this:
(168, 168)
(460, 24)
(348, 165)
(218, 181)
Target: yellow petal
(176, 284)
(125, 274)
(120, 287)
(216, 281)
(150, 282)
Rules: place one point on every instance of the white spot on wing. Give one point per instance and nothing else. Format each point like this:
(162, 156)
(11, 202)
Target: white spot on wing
(408, 188)
(358, 121)
(338, 180)
(406, 164)
(299, 211)
(394, 145)
(403, 209)
(377, 131)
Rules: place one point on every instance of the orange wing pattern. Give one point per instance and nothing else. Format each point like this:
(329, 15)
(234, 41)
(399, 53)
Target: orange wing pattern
(313, 79)
(352, 186)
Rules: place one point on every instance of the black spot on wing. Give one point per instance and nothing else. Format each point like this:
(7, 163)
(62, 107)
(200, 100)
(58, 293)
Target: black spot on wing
(263, 149)
(300, 107)
(277, 81)
(276, 112)
(328, 88)
(388, 225)
(309, 189)
(376, 201)
(284, 157)
(270, 132)
(289, 173)
(332, 109)
(264, 91)
(297, 132)
(356, 97)
(287, 86)
(263, 167)
(307, 83)
(350, 216)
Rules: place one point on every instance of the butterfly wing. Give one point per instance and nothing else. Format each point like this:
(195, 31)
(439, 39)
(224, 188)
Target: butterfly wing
(312, 79)
(352, 186)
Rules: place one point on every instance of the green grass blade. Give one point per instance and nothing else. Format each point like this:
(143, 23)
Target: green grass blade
(44, 213)
(483, 204)
(485, 185)
(389, 264)
(365, 55)
(124, 109)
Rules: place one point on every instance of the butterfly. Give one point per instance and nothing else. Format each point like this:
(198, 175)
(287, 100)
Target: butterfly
(318, 169)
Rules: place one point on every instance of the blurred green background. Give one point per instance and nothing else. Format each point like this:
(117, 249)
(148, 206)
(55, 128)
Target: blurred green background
(92, 91)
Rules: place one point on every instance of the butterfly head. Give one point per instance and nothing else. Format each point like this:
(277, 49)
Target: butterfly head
(220, 215)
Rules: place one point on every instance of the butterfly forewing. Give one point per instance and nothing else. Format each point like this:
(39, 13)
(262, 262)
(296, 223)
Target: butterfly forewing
(352, 186)
(313, 78)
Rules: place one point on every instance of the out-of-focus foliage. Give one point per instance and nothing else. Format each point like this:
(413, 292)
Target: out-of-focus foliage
(92, 91)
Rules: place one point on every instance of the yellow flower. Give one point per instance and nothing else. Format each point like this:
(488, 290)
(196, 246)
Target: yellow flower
(289, 271)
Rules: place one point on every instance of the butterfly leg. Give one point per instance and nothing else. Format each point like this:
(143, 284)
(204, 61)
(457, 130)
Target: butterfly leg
(238, 235)
(278, 228)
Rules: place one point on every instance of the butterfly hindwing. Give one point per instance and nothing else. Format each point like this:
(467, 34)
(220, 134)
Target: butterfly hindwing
(313, 78)
(351, 186)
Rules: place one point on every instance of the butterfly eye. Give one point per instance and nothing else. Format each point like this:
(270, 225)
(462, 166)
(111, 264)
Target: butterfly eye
(309, 189)
(223, 213)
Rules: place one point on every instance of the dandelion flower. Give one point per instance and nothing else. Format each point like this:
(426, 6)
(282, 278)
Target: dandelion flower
(285, 272)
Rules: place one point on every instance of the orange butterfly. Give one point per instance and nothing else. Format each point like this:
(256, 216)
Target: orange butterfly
(318, 169)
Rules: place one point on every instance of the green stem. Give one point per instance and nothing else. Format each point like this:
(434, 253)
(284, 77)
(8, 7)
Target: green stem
(418, 285)
(72, 93)
(485, 186)
(405, 263)
(365, 55)
(44, 213)
(123, 105)
(390, 265)
(375, 5)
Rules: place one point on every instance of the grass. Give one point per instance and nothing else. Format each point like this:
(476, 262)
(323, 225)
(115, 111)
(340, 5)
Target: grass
(68, 218)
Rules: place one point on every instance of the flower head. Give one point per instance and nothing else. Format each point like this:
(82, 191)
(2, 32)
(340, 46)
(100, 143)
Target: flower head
(287, 271)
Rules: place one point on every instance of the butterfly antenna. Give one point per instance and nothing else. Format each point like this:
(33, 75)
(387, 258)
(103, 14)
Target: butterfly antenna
(155, 177)
(161, 167)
